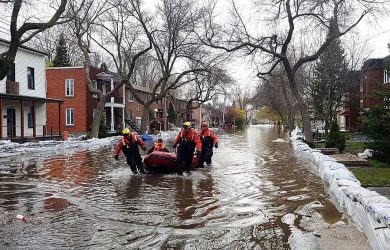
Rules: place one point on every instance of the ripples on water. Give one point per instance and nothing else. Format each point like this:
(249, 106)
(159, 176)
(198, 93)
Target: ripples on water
(255, 195)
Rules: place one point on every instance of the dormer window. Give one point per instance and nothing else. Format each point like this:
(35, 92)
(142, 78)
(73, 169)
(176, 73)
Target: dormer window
(386, 76)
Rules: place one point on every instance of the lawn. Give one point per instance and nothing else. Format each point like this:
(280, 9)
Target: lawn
(354, 147)
(372, 176)
(377, 174)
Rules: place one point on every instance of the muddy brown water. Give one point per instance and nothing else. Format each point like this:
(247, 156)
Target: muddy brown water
(256, 195)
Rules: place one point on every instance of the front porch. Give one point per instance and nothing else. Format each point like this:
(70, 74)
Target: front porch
(23, 118)
(115, 118)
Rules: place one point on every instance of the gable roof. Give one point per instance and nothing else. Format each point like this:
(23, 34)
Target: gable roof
(376, 63)
(25, 47)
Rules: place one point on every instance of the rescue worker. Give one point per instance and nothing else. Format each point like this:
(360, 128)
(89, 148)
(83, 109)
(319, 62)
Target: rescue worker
(208, 139)
(159, 146)
(187, 140)
(129, 145)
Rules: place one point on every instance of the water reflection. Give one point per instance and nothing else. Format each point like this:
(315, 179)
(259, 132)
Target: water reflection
(256, 195)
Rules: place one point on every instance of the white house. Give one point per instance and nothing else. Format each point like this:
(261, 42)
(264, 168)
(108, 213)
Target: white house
(23, 95)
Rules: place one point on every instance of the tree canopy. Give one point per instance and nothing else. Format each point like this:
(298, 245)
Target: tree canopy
(61, 59)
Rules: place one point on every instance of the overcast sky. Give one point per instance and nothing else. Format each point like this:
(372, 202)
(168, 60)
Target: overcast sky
(374, 36)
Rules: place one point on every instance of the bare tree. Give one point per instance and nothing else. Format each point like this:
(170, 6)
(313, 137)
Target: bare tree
(23, 33)
(291, 20)
(204, 89)
(122, 29)
(180, 55)
(117, 29)
(47, 42)
(274, 93)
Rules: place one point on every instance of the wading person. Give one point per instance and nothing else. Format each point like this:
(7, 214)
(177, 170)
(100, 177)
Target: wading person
(159, 146)
(187, 140)
(129, 146)
(208, 139)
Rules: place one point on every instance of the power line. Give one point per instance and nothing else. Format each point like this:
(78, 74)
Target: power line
(374, 36)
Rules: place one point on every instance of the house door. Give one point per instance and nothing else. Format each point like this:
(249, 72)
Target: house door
(11, 123)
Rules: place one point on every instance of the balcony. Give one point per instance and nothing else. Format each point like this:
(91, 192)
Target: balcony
(115, 101)
(12, 87)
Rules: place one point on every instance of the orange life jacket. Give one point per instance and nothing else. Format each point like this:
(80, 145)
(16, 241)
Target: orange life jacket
(159, 147)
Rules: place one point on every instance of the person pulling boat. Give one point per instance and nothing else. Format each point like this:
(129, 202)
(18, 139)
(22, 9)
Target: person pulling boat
(208, 139)
(187, 140)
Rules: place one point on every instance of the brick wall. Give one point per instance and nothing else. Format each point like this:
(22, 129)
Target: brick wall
(79, 102)
(91, 101)
(372, 80)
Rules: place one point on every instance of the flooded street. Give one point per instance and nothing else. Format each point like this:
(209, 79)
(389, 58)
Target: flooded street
(256, 195)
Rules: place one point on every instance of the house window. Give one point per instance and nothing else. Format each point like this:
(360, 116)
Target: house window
(386, 102)
(30, 78)
(138, 107)
(69, 117)
(30, 117)
(386, 76)
(69, 87)
(129, 96)
(94, 85)
(11, 73)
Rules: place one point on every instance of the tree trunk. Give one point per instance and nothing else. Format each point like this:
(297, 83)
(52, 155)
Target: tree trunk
(301, 104)
(4, 67)
(291, 119)
(306, 121)
(97, 119)
(145, 118)
(179, 117)
(326, 127)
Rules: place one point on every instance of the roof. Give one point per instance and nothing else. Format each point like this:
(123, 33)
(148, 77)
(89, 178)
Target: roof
(25, 47)
(142, 88)
(70, 67)
(29, 98)
(107, 75)
(376, 63)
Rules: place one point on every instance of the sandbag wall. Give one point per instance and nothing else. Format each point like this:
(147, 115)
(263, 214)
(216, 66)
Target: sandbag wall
(369, 210)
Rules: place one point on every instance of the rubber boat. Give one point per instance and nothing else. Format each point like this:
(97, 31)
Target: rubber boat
(164, 162)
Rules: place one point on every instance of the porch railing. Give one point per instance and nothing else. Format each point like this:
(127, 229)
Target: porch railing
(116, 99)
(11, 132)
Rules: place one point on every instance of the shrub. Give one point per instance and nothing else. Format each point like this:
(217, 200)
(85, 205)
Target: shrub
(335, 139)
(376, 126)
(103, 128)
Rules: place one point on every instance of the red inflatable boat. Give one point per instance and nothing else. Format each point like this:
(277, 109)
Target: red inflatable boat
(159, 161)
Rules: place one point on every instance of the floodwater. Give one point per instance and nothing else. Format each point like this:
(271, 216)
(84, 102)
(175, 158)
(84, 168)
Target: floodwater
(256, 195)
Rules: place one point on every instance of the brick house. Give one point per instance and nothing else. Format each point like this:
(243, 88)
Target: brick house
(23, 99)
(348, 116)
(77, 112)
(158, 119)
(158, 111)
(134, 109)
(375, 76)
